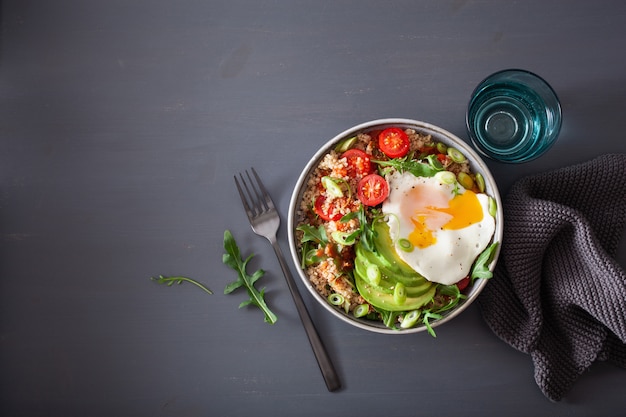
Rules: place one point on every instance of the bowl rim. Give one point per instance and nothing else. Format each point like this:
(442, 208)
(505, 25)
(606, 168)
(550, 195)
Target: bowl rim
(478, 165)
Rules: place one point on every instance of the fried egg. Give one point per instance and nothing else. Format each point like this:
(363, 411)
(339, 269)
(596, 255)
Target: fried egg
(447, 226)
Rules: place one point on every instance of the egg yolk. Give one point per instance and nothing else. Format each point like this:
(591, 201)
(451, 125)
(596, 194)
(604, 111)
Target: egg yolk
(462, 211)
(421, 236)
(465, 210)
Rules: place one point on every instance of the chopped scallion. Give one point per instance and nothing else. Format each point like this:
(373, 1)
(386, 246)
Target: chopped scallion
(345, 144)
(465, 180)
(405, 245)
(373, 274)
(434, 162)
(456, 155)
(399, 293)
(480, 181)
(446, 177)
(344, 238)
(492, 207)
(336, 299)
(332, 186)
(410, 319)
(361, 310)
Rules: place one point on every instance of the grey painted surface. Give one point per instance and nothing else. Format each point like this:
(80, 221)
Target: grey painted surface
(122, 124)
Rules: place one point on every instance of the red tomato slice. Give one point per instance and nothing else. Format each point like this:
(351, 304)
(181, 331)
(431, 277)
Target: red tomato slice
(444, 159)
(462, 284)
(326, 212)
(372, 190)
(394, 142)
(358, 162)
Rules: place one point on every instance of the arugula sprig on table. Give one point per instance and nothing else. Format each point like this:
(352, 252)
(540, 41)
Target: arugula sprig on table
(233, 259)
(169, 281)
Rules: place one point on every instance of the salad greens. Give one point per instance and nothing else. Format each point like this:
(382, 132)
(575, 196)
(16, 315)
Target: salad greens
(377, 275)
(233, 259)
(169, 281)
(414, 166)
(481, 266)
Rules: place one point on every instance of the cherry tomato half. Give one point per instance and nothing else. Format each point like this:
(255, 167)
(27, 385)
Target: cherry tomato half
(372, 190)
(394, 142)
(462, 284)
(328, 212)
(359, 163)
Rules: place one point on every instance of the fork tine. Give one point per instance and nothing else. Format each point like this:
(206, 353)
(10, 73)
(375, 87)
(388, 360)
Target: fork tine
(260, 201)
(266, 196)
(244, 199)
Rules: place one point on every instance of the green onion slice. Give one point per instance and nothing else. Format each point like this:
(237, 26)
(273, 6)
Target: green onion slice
(456, 155)
(332, 186)
(336, 299)
(344, 238)
(445, 177)
(345, 144)
(410, 319)
(312, 257)
(480, 180)
(492, 206)
(434, 162)
(373, 274)
(361, 310)
(399, 293)
(441, 147)
(465, 180)
(405, 245)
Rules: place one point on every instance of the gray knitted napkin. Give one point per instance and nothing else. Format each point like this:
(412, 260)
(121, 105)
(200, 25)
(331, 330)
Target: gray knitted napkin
(557, 292)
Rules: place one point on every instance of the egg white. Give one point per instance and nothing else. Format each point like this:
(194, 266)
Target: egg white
(448, 258)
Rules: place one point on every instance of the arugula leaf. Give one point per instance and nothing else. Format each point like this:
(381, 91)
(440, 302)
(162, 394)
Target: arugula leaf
(169, 281)
(233, 259)
(428, 315)
(366, 231)
(481, 266)
(415, 167)
(312, 234)
(389, 318)
(454, 294)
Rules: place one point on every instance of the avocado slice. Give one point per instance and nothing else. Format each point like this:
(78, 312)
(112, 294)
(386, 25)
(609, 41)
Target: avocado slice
(386, 248)
(415, 283)
(419, 291)
(386, 300)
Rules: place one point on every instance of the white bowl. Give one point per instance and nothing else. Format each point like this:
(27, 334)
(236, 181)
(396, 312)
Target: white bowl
(438, 134)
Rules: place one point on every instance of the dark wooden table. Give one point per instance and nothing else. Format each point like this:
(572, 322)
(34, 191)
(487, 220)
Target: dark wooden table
(122, 124)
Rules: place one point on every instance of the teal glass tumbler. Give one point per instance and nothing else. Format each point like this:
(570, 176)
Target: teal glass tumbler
(513, 116)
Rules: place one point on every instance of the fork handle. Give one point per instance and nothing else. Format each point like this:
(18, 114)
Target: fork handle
(326, 366)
